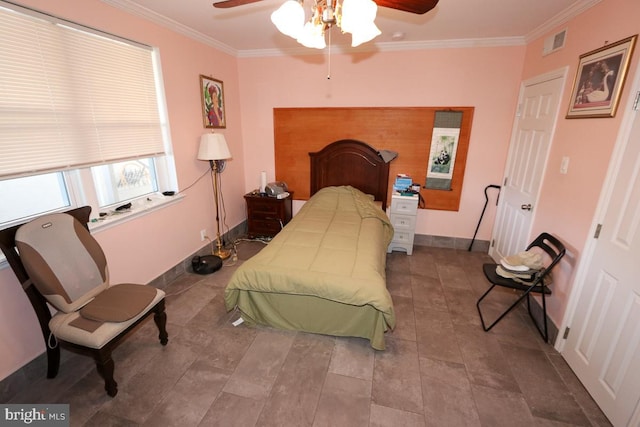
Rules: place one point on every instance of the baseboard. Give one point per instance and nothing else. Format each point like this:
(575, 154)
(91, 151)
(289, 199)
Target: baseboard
(451, 243)
(185, 265)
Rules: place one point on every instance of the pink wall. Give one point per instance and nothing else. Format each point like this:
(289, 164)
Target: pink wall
(486, 78)
(143, 248)
(568, 202)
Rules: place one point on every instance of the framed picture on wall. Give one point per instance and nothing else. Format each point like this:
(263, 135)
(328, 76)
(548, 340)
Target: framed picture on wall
(212, 96)
(599, 80)
(442, 158)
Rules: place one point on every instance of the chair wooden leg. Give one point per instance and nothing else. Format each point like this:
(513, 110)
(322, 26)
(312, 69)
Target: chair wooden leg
(105, 366)
(160, 318)
(53, 361)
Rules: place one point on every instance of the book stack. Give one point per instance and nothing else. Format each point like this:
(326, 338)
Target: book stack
(403, 183)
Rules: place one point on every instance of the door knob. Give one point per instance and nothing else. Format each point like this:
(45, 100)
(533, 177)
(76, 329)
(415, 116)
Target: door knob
(526, 207)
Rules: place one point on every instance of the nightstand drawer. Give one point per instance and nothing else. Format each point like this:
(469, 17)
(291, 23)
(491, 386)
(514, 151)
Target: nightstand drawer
(404, 205)
(403, 222)
(402, 241)
(264, 208)
(402, 237)
(266, 226)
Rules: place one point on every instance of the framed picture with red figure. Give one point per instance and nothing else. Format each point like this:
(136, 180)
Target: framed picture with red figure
(212, 96)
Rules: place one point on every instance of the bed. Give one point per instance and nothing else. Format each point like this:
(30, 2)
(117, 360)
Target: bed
(325, 271)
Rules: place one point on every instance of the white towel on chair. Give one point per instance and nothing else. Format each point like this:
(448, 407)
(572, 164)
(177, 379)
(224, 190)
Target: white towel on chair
(518, 277)
(522, 261)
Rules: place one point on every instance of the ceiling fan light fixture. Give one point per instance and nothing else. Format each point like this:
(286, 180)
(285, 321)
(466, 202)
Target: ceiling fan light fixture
(364, 34)
(312, 36)
(355, 12)
(352, 16)
(358, 18)
(328, 15)
(289, 18)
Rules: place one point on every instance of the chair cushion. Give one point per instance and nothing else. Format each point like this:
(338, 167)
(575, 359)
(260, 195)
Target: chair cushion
(61, 328)
(119, 303)
(64, 261)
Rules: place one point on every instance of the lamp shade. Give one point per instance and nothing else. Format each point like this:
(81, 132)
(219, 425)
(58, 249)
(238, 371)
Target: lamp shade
(213, 146)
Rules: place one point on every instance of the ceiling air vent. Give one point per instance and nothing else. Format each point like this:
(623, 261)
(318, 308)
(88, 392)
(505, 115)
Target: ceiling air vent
(554, 42)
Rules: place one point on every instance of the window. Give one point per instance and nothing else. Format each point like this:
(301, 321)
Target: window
(31, 196)
(122, 181)
(102, 187)
(82, 118)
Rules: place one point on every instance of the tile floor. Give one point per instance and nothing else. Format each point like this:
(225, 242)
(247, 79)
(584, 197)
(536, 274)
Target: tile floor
(439, 369)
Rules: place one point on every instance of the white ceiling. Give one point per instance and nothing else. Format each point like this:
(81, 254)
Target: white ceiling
(247, 30)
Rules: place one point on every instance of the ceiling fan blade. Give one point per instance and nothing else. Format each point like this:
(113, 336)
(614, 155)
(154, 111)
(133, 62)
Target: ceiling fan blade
(413, 6)
(226, 4)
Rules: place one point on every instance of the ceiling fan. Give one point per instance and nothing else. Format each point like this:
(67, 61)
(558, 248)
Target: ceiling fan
(413, 6)
(355, 17)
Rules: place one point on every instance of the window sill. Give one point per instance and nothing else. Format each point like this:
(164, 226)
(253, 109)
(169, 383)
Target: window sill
(138, 208)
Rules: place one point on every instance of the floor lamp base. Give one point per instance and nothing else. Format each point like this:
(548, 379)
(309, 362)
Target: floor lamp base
(222, 253)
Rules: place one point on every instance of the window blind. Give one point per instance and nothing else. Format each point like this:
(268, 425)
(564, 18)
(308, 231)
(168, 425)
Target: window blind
(72, 98)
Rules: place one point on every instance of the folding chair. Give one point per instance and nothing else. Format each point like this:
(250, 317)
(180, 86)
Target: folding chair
(555, 250)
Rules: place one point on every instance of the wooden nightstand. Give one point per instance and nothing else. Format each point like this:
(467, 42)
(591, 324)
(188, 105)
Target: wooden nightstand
(267, 215)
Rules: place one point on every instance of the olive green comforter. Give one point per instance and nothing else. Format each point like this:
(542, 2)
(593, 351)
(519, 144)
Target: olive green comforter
(323, 273)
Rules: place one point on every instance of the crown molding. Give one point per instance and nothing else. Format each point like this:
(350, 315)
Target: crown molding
(561, 18)
(388, 47)
(143, 12)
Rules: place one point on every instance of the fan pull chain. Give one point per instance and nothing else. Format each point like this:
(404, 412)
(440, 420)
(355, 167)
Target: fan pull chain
(329, 58)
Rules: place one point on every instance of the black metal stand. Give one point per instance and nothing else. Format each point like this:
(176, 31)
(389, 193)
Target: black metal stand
(486, 200)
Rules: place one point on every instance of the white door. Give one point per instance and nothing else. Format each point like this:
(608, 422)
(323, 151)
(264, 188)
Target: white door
(603, 345)
(528, 152)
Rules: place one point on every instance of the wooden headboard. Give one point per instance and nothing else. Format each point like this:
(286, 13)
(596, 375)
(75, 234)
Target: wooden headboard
(350, 162)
